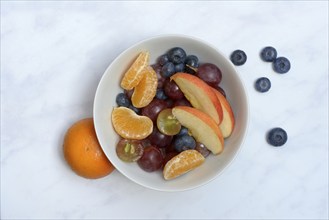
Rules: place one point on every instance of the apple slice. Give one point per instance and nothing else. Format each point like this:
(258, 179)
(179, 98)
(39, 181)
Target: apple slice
(200, 95)
(228, 122)
(202, 127)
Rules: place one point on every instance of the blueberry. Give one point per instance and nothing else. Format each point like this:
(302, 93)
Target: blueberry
(184, 142)
(262, 84)
(183, 131)
(122, 100)
(192, 63)
(176, 55)
(136, 110)
(281, 65)
(163, 59)
(268, 54)
(168, 69)
(160, 94)
(277, 137)
(179, 67)
(238, 57)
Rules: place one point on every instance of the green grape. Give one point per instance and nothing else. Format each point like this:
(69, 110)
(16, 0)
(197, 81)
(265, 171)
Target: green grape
(129, 150)
(167, 123)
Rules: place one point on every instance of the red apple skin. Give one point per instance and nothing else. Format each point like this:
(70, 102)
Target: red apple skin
(228, 123)
(200, 87)
(207, 120)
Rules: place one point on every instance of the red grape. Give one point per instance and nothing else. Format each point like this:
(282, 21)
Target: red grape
(154, 108)
(172, 90)
(209, 73)
(146, 142)
(151, 159)
(161, 79)
(163, 152)
(170, 148)
(182, 102)
(158, 139)
(168, 157)
(129, 93)
(169, 102)
(221, 90)
(202, 149)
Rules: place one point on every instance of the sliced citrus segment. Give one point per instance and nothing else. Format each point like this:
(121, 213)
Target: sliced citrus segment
(146, 89)
(182, 163)
(134, 74)
(129, 125)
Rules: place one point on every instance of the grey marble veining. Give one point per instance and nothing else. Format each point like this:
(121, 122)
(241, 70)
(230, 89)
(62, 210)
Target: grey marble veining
(53, 55)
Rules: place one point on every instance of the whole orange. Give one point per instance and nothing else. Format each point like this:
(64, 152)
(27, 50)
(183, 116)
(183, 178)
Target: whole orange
(83, 152)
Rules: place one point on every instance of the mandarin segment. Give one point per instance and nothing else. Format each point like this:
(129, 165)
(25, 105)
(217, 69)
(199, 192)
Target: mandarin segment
(135, 72)
(129, 125)
(182, 163)
(145, 91)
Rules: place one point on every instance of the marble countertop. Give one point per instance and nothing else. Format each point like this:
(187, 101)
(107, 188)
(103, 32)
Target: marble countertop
(53, 55)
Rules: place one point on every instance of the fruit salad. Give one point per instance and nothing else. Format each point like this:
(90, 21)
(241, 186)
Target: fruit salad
(172, 114)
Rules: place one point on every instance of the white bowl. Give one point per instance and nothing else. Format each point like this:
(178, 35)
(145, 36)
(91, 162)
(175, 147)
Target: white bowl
(109, 87)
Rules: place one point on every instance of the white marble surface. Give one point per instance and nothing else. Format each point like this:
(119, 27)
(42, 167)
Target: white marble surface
(53, 55)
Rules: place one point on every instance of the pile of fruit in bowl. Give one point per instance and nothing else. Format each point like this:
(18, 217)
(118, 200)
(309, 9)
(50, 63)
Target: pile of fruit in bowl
(137, 125)
(172, 114)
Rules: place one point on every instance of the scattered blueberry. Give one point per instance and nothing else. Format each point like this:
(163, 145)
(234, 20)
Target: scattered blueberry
(262, 84)
(268, 54)
(179, 67)
(277, 137)
(192, 63)
(184, 142)
(238, 57)
(281, 65)
(176, 55)
(160, 94)
(122, 100)
(163, 59)
(168, 69)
